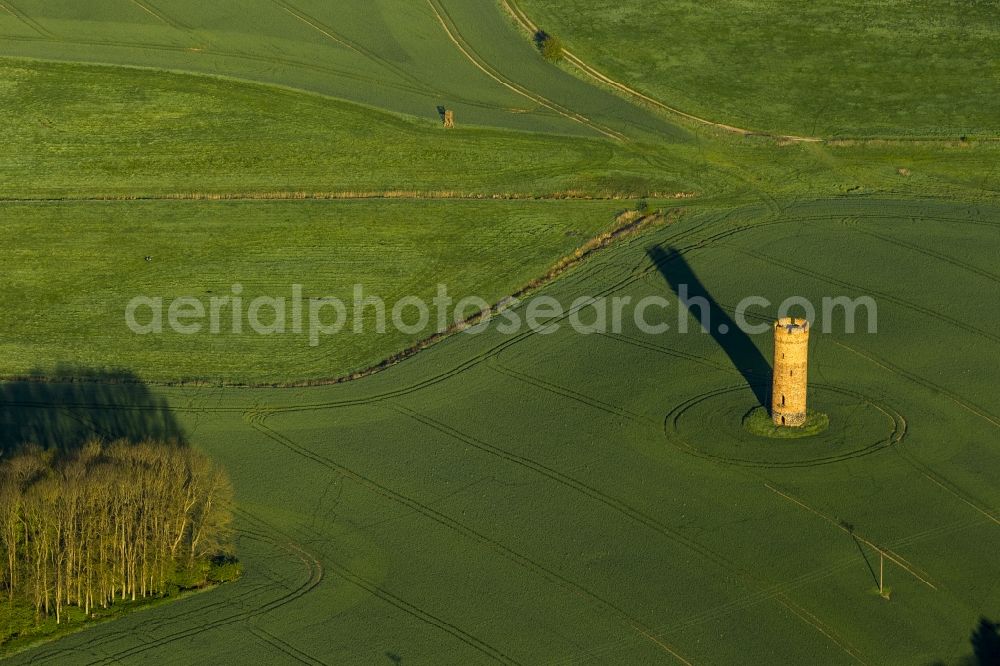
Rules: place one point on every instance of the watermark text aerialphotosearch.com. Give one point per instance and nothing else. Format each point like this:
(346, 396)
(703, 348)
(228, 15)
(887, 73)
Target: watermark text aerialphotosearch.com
(318, 318)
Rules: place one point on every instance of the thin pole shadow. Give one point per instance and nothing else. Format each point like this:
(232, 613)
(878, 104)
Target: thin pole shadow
(861, 550)
(741, 350)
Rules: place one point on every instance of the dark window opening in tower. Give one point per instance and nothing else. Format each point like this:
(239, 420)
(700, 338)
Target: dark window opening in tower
(782, 403)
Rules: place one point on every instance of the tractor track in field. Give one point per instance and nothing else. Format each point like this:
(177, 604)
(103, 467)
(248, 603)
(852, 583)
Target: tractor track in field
(451, 29)
(453, 525)
(957, 263)
(339, 38)
(271, 60)
(422, 615)
(427, 511)
(522, 19)
(462, 367)
(267, 412)
(934, 387)
(942, 482)
(329, 31)
(637, 274)
(667, 351)
(735, 606)
(416, 612)
(93, 645)
(897, 559)
(148, 7)
(642, 270)
(934, 314)
(292, 653)
(313, 566)
(620, 507)
(568, 394)
(763, 591)
(470, 362)
(766, 592)
(24, 18)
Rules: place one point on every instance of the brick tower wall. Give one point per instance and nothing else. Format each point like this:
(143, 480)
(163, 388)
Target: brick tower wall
(791, 355)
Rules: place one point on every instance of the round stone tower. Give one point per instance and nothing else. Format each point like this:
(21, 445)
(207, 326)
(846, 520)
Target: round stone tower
(791, 354)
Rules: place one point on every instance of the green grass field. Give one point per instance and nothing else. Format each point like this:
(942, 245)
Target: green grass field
(78, 236)
(522, 498)
(387, 54)
(73, 268)
(842, 68)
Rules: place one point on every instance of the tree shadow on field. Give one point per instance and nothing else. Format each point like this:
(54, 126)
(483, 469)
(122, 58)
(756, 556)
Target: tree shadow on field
(63, 415)
(985, 643)
(741, 350)
(985, 640)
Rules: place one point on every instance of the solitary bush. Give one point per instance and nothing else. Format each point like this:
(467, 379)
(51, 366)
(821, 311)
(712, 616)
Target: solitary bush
(224, 569)
(550, 45)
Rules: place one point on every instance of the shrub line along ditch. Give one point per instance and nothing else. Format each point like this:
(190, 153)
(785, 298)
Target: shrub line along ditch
(578, 195)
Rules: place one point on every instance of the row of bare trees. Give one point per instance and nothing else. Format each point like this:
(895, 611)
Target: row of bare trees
(106, 522)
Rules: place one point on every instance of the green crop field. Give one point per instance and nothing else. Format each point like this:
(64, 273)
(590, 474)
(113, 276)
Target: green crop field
(498, 497)
(535, 495)
(843, 68)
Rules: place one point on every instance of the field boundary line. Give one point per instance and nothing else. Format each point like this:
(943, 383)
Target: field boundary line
(584, 253)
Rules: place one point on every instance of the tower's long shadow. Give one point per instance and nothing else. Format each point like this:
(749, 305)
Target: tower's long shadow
(742, 352)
